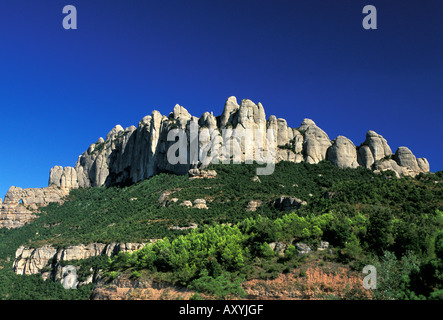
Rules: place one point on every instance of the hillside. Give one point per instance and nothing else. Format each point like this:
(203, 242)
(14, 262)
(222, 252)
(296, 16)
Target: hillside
(230, 228)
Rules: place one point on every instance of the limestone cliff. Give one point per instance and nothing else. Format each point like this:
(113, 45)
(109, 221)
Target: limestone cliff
(133, 154)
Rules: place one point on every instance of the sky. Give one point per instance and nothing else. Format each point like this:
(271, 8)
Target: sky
(60, 90)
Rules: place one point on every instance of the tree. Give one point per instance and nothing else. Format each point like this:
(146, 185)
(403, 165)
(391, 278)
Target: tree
(379, 235)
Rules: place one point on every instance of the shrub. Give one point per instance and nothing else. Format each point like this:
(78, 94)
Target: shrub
(221, 286)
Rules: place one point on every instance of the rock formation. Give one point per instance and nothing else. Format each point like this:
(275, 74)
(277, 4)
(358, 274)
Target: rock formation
(32, 261)
(343, 153)
(288, 203)
(63, 177)
(133, 154)
(20, 205)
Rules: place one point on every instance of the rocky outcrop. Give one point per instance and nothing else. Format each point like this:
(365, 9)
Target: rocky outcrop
(33, 260)
(288, 203)
(201, 174)
(200, 204)
(253, 205)
(316, 142)
(20, 205)
(133, 154)
(191, 226)
(377, 145)
(405, 158)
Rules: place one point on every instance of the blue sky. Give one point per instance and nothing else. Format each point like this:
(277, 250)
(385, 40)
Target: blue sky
(60, 90)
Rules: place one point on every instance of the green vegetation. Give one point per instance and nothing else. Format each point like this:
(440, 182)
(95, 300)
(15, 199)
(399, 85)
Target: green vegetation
(395, 224)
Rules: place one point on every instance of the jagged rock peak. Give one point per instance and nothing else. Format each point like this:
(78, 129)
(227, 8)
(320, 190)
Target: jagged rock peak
(134, 154)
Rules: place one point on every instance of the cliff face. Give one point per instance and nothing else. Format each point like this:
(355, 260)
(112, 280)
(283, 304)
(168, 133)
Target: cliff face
(20, 205)
(33, 260)
(133, 154)
(47, 261)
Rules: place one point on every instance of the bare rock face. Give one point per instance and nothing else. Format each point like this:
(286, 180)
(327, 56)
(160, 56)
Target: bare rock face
(81, 252)
(31, 261)
(403, 163)
(365, 157)
(316, 142)
(423, 164)
(405, 158)
(378, 147)
(63, 177)
(343, 153)
(231, 106)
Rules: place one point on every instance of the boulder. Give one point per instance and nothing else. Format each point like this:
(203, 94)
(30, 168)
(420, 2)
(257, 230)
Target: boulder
(303, 248)
(201, 174)
(255, 179)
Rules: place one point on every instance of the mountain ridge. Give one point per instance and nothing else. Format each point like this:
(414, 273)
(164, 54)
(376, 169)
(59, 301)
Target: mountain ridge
(133, 154)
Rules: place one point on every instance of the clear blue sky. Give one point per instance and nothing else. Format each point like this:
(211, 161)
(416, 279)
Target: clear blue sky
(60, 90)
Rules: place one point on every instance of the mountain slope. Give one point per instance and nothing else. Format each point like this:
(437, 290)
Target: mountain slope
(371, 213)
